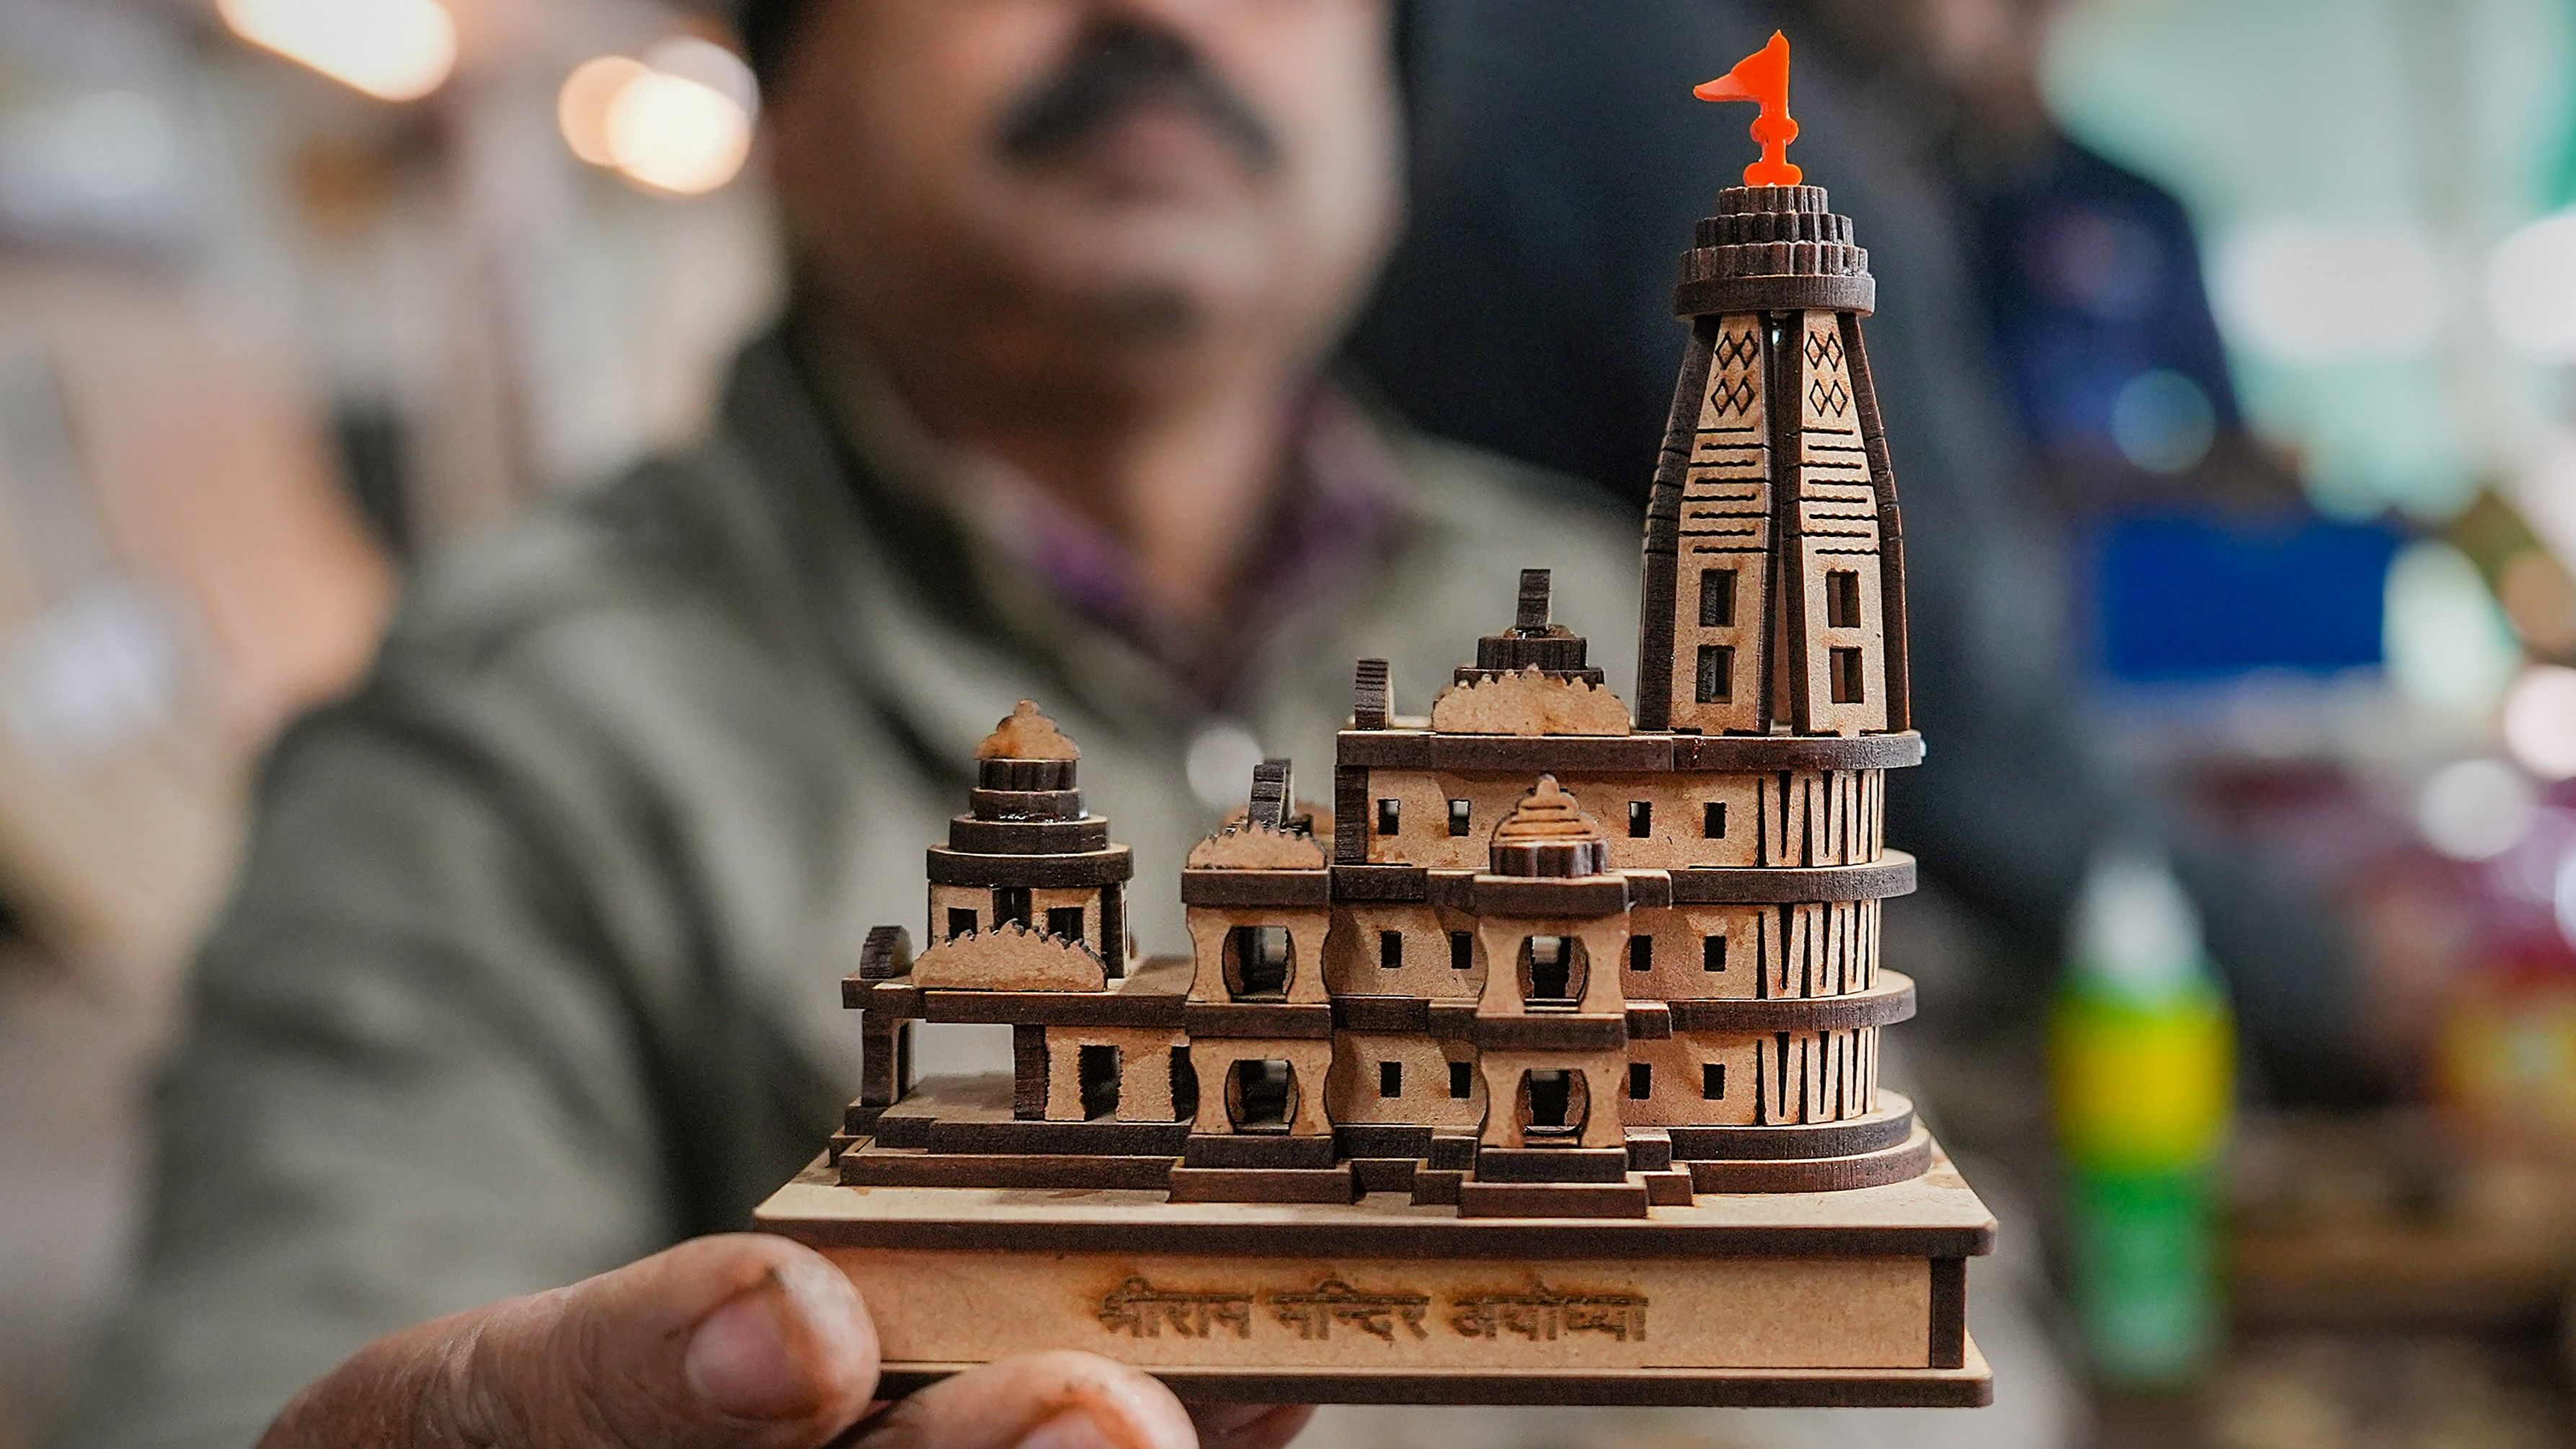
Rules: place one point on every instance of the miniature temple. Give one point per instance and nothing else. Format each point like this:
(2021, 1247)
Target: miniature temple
(1541, 1064)
(1547, 957)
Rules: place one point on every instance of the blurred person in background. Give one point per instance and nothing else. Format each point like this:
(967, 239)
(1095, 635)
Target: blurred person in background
(1550, 170)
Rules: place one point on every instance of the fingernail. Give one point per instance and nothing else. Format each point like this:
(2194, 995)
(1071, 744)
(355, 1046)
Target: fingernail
(740, 1362)
(1072, 1429)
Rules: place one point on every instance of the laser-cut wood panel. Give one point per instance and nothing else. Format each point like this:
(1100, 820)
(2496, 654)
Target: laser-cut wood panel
(1721, 578)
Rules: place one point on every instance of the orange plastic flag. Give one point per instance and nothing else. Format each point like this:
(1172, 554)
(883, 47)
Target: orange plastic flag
(1763, 77)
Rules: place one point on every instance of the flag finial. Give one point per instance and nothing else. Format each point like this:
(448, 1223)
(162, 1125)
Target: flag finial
(1763, 77)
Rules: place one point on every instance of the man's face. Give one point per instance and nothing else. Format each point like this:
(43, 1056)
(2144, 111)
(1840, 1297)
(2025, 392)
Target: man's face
(1091, 171)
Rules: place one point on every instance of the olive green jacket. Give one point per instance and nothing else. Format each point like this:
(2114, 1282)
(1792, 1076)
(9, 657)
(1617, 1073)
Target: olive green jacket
(533, 967)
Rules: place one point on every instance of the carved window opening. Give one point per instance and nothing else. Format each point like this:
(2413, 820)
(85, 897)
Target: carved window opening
(1712, 820)
(1716, 674)
(1717, 598)
(1065, 921)
(1097, 1067)
(1462, 1081)
(1010, 903)
(1641, 953)
(1462, 951)
(1460, 814)
(1390, 1079)
(1185, 1085)
(1641, 819)
(1553, 970)
(1553, 1105)
(1712, 1081)
(1261, 1096)
(1256, 963)
(1844, 666)
(1390, 949)
(1842, 599)
(1712, 953)
(1641, 1081)
(961, 922)
(1390, 816)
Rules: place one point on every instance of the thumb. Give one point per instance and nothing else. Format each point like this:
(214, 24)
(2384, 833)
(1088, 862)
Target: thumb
(742, 1341)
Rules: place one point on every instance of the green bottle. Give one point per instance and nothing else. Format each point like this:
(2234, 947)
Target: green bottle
(2142, 1064)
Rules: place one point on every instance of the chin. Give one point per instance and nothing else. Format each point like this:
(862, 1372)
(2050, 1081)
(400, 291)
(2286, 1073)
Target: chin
(1161, 283)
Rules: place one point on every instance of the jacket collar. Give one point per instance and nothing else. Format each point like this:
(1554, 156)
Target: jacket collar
(936, 631)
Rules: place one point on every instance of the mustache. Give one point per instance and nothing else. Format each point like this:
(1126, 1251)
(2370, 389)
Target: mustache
(1120, 66)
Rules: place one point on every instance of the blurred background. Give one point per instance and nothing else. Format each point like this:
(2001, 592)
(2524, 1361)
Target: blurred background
(294, 292)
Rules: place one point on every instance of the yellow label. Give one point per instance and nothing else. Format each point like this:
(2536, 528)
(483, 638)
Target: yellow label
(2140, 1088)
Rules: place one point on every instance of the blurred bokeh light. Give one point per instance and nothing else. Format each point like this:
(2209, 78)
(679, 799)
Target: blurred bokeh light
(394, 50)
(677, 120)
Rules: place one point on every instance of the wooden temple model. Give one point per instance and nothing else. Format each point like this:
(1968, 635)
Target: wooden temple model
(1544, 1065)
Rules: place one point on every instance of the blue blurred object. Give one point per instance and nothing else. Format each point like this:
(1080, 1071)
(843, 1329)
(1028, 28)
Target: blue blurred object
(2091, 280)
(2187, 597)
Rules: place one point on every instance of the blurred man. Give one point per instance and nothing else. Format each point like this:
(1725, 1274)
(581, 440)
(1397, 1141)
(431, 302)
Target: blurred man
(530, 973)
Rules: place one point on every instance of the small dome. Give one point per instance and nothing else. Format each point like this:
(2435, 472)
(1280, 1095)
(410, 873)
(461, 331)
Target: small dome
(1548, 834)
(1027, 735)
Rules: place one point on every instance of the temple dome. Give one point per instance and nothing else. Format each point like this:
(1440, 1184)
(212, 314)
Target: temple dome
(1548, 834)
(1027, 735)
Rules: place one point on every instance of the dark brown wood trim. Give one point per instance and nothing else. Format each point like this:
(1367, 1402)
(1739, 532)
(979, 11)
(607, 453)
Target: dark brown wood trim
(1259, 1020)
(1392, 885)
(1715, 296)
(1673, 1388)
(1756, 885)
(1891, 1126)
(1949, 1312)
(1052, 1008)
(1257, 889)
(1891, 531)
(1089, 868)
(1889, 1002)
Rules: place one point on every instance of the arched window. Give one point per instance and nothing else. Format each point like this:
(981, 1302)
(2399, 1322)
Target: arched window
(1256, 963)
(1553, 1105)
(1553, 972)
(1261, 1096)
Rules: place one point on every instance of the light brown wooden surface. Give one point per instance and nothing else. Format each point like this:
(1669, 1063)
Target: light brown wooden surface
(1966, 1387)
(1529, 703)
(1010, 958)
(1778, 1299)
(1422, 1076)
(1252, 847)
(1837, 533)
(1179, 1311)
(1726, 536)
(1935, 1215)
(1212, 942)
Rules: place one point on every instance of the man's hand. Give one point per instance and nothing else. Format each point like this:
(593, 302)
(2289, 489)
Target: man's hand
(725, 1343)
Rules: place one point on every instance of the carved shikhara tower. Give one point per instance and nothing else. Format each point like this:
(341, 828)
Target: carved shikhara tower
(1544, 958)
(1775, 570)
